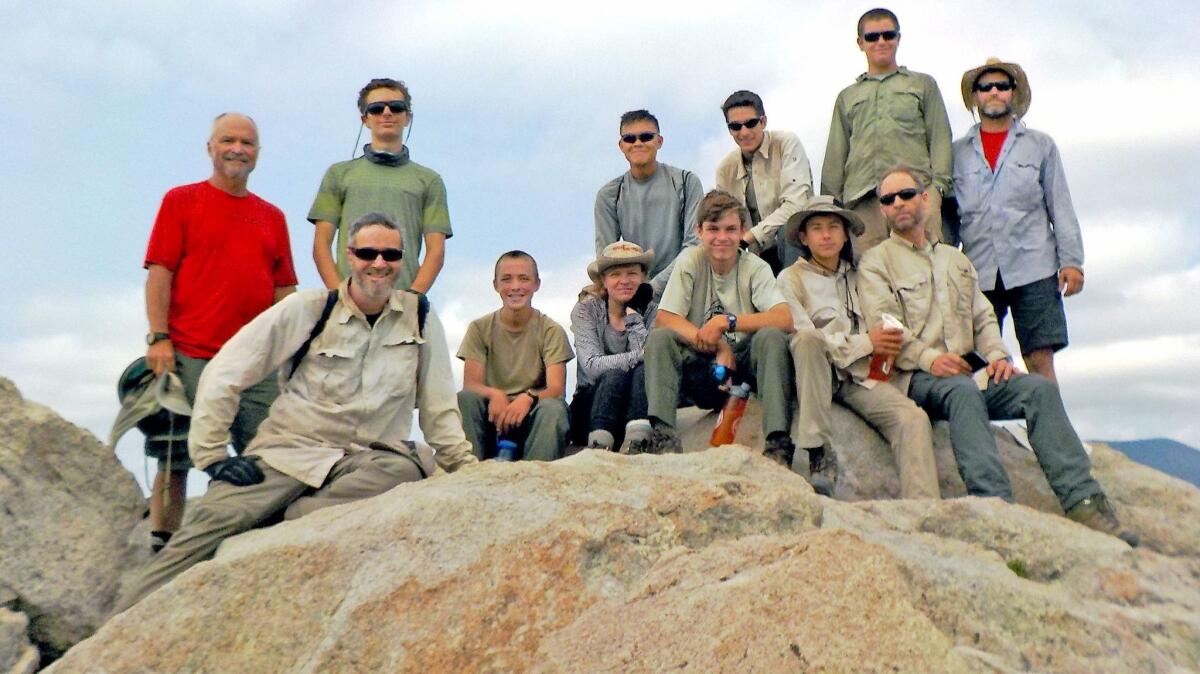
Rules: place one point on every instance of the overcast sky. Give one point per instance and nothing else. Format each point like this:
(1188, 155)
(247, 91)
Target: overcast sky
(106, 106)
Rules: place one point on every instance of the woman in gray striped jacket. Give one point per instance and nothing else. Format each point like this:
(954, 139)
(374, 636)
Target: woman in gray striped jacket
(610, 323)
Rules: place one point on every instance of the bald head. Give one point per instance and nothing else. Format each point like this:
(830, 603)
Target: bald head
(233, 148)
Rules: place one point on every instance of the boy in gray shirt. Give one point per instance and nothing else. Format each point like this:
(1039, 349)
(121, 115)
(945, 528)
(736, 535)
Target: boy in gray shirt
(652, 204)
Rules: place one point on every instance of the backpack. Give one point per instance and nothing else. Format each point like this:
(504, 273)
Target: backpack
(330, 301)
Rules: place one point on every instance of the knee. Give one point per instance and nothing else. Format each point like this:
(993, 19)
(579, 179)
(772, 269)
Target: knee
(1038, 387)
(552, 410)
(913, 420)
(659, 339)
(613, 378)
(771, 339)
(471, 403)
(962, 390)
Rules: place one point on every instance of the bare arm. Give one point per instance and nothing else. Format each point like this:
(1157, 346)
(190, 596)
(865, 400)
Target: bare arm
(160, 356)
(778, 316)
(556, 381)
(323, 234)
(677, 324)
(431, 266)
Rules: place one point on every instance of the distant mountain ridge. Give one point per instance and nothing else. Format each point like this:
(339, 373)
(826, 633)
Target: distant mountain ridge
(1169, 456)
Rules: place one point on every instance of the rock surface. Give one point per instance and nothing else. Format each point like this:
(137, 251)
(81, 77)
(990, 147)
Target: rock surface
(17, 655)
(714, 561)
(66, 509)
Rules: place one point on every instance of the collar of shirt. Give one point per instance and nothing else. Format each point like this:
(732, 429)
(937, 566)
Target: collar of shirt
(1018, 128)
(908, 245)
(809, 265)
(764, 151)
(902, 70)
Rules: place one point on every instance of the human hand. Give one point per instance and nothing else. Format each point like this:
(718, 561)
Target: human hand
(239, 471)
(514, 415)
(1000, 370)
(497, 404)
(160, 357)
(710, 333)
(886, 341)
(949, 365)
(1070, 281)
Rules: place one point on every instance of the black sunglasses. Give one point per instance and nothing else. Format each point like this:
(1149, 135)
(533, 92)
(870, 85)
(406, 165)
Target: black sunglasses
(887, 35)
(632, 138)
(906, 194)
(369, 254)
(749, 124)
(378, 107)
(998, 86)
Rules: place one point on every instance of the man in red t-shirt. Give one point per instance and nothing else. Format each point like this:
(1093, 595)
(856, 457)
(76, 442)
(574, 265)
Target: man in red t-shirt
(218, 256)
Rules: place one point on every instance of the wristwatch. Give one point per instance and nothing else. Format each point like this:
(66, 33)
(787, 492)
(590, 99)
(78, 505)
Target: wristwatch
(153, 338)
(732, 322)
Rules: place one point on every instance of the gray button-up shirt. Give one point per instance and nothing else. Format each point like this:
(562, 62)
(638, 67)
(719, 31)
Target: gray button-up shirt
(1017, 220)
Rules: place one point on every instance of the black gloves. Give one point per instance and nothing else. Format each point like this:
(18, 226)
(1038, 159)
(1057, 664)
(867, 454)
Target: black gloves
(641, 298)
(239, 471)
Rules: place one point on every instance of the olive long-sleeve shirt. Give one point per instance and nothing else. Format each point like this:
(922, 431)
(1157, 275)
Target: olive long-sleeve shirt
(879, 122)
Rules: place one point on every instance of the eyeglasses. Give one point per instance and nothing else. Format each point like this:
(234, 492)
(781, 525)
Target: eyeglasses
(378, 107)
(632, 138)
(369, 254)
(998, 86)
(887, 35)
(749, 124)
(906, 194)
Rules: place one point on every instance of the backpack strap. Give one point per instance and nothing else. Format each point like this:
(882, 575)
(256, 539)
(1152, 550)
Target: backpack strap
(330, 300)
(422, 310)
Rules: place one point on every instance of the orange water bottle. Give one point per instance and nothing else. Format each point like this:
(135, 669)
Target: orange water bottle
(731, 415)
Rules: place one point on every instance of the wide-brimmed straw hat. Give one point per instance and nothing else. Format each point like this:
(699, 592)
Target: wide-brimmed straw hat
(619, 253)
(822, 205)
(1021, 96)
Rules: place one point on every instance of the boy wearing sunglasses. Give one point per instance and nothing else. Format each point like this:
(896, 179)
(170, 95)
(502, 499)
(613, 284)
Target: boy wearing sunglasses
(769, 173)
(889, 116)
(384, 179)
(1017, 222)
(652, 204)
(949, 332)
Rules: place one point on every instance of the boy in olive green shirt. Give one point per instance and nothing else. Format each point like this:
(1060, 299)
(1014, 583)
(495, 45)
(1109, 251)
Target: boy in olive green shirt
(383, 180)
(515, 369)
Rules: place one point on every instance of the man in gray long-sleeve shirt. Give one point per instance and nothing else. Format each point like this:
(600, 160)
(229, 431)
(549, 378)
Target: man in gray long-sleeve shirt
(1018, 225)
(652, 204)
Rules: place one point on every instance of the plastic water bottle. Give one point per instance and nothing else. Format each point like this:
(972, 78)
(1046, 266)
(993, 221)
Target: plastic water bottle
(731, 415)
(506, 450)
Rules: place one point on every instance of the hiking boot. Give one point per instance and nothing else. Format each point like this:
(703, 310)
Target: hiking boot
(1095, 512)
(823, 468)
(662, 441)
(780, 449)
(600, 439)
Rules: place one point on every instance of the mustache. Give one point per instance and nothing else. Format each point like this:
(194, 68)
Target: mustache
(236, 156)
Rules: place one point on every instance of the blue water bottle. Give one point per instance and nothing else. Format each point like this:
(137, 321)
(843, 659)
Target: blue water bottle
(506, 450)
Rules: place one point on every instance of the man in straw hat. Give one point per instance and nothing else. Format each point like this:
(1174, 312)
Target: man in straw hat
(1017, 222)
(821, 290)
(950, 332)
(721, 307)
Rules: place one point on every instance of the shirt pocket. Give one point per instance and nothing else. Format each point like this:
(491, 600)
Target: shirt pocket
(904, 107)
(962, 286)
(914, 294)
(340, 377)
(401, 356)
(1024, 183)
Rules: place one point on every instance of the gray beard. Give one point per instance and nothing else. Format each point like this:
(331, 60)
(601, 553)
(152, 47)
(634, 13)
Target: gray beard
(1000, 113)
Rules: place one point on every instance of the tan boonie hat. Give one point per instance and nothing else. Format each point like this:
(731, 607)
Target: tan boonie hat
(619, 253)
(817, 206)
(1021, 96)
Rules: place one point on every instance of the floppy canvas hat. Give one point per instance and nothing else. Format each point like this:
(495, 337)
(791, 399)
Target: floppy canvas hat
(619, 253)
(1021, 96)
(822, 204)
(148, 402)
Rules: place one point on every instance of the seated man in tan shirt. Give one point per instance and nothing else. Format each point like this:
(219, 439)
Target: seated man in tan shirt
(339, 429)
